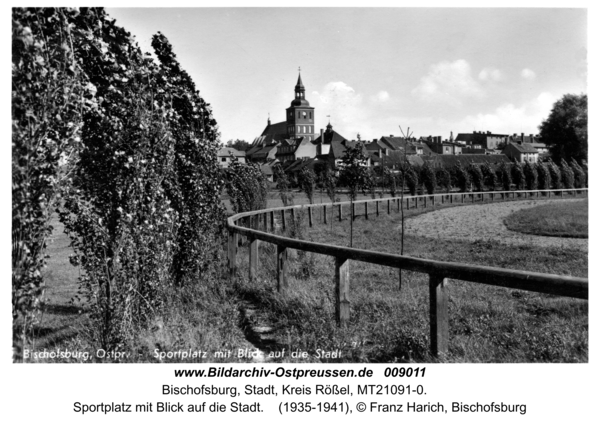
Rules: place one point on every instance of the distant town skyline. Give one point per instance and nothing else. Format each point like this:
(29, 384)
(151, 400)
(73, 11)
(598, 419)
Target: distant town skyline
(372, 69)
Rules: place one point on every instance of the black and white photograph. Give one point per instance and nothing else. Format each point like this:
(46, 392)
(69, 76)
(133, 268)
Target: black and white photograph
(301, 187)
(230, 185)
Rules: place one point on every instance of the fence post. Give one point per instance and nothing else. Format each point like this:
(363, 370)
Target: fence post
(273, 221)
(389, 207)
(342, 291)
(233, 245)
(366, 211)
(310, 217)
(253, 257)
(377, 208)
(325, 215)
(424, 202)
(340, 212)
(282, 268)
(283, 220)
(438, 314)
(451, 196)
(433, 201)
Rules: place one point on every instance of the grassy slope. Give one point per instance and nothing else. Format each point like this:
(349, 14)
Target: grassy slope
(487, 324)
(565, 220)
(201, 317)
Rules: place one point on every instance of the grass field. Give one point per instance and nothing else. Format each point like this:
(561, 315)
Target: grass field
(562, 220)
(487, 324)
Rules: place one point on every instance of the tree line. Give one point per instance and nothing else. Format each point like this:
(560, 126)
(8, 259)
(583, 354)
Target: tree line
(122, 148)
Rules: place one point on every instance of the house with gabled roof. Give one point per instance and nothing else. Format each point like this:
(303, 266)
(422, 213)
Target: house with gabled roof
(411, 145)
(224, 156)
(521, 152)
(323, 141)
(338, 148)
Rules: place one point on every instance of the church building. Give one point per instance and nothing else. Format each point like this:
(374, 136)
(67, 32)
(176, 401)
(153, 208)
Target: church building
(293, 136)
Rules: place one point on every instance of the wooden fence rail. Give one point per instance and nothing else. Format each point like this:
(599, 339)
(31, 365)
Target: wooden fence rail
(439, 272)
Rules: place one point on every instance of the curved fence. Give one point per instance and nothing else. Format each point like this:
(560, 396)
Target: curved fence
(260, 221)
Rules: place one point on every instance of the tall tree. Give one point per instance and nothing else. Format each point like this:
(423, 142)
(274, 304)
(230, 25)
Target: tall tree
(354, 174)
(565, 129)
(307, 180)
(239, 145)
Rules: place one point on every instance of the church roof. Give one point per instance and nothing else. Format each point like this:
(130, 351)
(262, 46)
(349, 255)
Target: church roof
(329, 137)
(279, 128)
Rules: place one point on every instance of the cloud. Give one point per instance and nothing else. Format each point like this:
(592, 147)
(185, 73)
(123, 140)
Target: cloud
(528, 74)
(340, 94)
(449, 82)
(344, 105)
(491, 74)
(510, 119)
(381, 96)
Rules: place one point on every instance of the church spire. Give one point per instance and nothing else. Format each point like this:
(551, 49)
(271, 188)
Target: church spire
(299, 86)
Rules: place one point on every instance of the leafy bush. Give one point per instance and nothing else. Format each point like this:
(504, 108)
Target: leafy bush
(462, 177)
(476, 176)
(531, 176)
(543, 176)
(489, 176)
(48, 89)
(567, 176)
(354, 173)
(246, 187)
(580, 177)
(391, 181)
(428, 178)
(139, 184)
(412, 180)
(518, 176)
(284, 185)
(505, 177)
(555, 175)
(330, 182)
(444, 179)
(307, 180)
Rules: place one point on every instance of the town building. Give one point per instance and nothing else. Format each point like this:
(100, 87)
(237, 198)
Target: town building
(224, 156)
(438, 146)
(291, 139)
(521, 152)
(482, 140)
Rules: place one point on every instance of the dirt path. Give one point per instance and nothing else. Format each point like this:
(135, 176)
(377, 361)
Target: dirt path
(485, 222)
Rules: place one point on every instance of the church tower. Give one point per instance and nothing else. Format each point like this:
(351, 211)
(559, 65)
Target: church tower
(300, 116)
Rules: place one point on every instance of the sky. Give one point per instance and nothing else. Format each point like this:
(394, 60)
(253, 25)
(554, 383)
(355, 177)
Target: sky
(375, 69)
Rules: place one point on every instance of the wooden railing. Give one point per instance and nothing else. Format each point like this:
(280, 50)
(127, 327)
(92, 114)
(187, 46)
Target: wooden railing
(439, 272)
